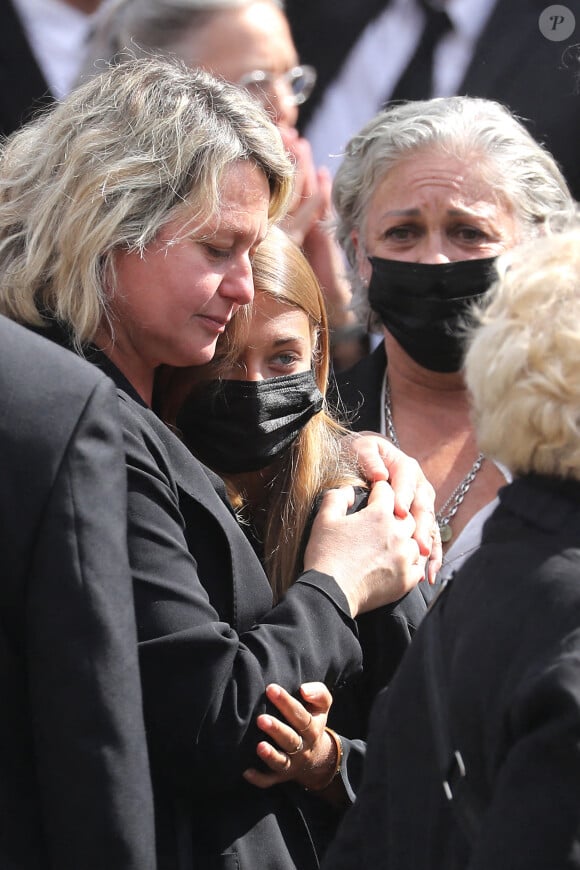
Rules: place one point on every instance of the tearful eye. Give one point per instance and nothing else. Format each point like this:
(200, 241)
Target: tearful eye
(400, 234)
(471, 234)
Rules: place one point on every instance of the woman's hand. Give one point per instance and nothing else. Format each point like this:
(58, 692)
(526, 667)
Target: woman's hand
(298, 747)
(379, 459)
(307, 224)
(371, 553)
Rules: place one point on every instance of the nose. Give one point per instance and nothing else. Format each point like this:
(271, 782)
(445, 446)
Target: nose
(434, 250)
(238, 283)
(253, 372)
(246, 369)
(280, 103)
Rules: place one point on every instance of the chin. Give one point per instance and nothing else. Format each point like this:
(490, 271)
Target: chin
(199, 356)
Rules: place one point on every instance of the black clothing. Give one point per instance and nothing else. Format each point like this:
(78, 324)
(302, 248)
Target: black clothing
(75, 790)
(510, 621)
(23, 88)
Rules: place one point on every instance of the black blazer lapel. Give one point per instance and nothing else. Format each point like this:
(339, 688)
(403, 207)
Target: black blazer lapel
(195, 482)
(359, 391)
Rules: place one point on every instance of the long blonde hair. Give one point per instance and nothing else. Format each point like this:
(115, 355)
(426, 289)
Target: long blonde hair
(316, 461)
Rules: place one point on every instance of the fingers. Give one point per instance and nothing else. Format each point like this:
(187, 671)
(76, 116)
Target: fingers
(299, 221)
(316, 695)
(283, 753)
(412, 491)
(336, 502)
(436, 556)
(382, 493)
(298, 716)
(406, 477)
(277, 760)
(367, 448)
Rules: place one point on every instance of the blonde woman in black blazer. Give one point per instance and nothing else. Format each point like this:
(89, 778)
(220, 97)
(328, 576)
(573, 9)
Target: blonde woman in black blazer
(140, 202)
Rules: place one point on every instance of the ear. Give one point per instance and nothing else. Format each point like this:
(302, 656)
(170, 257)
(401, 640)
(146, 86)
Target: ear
(363, 266)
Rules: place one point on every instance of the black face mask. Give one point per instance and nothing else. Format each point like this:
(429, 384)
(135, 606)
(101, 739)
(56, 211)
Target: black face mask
(426, 306)
(237, 426)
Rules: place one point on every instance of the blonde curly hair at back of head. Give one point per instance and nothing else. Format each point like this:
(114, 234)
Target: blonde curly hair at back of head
(523, 358)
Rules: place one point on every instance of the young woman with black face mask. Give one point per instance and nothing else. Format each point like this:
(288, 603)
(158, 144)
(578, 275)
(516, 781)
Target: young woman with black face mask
(258, 415)
(427, 196)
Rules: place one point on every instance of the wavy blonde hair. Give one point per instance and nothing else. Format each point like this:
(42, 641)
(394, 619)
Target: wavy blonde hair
(316, 461)
(106, 169)
(522, 361)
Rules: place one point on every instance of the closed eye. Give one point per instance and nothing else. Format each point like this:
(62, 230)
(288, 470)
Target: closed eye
(217, 253)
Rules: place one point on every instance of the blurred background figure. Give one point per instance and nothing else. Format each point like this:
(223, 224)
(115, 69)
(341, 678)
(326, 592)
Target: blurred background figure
(42, 48)
(247, 42)
(500, 49)
(480, 741)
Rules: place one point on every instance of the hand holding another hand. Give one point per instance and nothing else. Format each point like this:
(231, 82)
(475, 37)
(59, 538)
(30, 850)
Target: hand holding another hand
(379, 459)
(298, 747)
(371, 554)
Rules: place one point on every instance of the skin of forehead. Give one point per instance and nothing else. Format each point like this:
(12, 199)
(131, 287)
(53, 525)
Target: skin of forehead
(238, 41)
(461, 182)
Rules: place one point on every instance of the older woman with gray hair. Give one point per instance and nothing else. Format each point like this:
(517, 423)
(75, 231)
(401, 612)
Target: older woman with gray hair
(478, 736)
(427, 196)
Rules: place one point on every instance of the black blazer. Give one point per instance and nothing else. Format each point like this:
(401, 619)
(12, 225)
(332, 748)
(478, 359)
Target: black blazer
(386, 633)
(75, 790)
(510, 631)
(210, 641)
(359, 388)
(23, 88)
(513, 63)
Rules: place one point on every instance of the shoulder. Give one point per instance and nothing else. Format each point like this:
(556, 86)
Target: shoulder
(24, 352)
(44, 388)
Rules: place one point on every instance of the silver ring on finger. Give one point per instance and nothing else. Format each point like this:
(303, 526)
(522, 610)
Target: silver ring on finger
(307, 726)
(298, 749)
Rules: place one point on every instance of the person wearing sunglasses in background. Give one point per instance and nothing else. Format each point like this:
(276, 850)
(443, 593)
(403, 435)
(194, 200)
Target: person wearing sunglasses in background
(247, 42)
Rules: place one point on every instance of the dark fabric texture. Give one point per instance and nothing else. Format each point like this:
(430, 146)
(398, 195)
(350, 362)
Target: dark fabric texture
(75, 790)
(210, 641)
(23, 88)
(513, 63)
(357, 391)
(416, 80)
(511, 652)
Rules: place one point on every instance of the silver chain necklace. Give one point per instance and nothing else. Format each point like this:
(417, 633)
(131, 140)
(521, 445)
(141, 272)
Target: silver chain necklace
(448, 510)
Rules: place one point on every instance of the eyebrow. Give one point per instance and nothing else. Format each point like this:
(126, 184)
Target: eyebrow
(402, 212)
(286, 339)
(416, 212)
